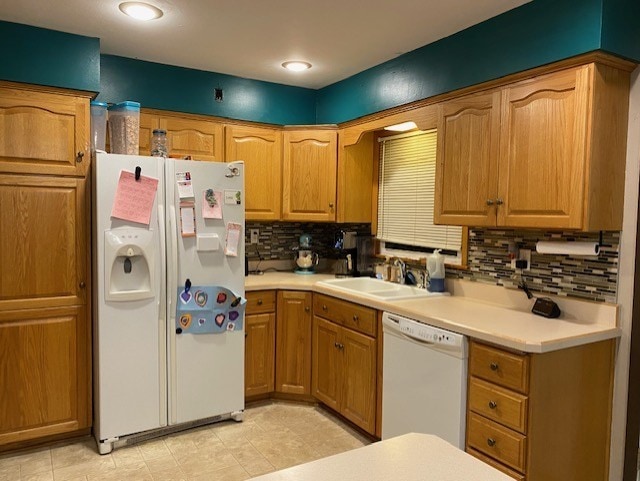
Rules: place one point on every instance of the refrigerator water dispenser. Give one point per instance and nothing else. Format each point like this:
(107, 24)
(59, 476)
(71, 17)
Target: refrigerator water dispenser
(129, 261)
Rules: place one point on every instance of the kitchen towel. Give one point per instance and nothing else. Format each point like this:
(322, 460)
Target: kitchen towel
(568, 248)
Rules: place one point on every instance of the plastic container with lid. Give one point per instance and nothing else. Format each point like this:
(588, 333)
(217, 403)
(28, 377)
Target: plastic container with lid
(124, 128)
(159, 143)
(98, 125)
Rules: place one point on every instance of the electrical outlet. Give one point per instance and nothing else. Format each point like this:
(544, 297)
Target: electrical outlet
(523, 255)
(254, 236)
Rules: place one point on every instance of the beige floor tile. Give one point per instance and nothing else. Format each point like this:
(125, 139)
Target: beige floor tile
(161, 464)
(97, 466)
(42, 476)
(154, 449)
(10, 473)
(232, 473)
(256, 468)
(126, 455)
(131, 472)
(77, 453)
(246, 454)
(173, 474)
(201, 464)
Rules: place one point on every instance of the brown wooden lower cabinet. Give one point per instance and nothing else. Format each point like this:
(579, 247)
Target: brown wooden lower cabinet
(293, 342)
(542, 417)
(45, 378)
(260, 339)
(345, 360)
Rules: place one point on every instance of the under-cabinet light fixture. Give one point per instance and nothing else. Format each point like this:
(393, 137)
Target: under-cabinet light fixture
(296, 65)
(404, 126)
(140, 10)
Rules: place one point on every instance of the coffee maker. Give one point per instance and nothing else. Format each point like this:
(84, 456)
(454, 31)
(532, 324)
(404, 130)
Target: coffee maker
(345, 244)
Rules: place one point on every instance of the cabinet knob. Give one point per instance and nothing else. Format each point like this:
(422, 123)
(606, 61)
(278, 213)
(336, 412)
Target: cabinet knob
(355, 318)
(336, 345)
(493, 404)
(331, 205)
(80, 156)
(499, 202)
(489, 201)
(494, 366)
(324, 307)
(340, 346)
(491, 442)
(246, 334)
(259, 302)
(82, 285)
(306, 309)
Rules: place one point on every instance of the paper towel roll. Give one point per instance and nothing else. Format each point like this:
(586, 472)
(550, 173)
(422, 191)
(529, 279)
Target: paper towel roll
(568, 248)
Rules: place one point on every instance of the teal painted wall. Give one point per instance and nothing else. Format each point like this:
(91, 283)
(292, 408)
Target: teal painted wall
(621, 28)
(180, 89)
(534, 34)
(47, 57)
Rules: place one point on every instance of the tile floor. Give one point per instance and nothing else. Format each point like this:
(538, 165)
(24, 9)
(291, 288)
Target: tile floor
(271, 437)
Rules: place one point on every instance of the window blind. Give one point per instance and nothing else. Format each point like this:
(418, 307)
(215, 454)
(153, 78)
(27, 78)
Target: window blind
(406, 193)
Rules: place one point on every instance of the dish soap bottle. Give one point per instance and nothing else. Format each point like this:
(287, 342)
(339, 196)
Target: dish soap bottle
(435, 266)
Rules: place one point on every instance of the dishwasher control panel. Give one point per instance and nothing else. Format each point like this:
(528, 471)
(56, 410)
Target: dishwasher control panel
(422, 332)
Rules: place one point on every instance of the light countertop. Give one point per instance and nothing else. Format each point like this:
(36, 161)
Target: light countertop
(411, 457)
(506, 320)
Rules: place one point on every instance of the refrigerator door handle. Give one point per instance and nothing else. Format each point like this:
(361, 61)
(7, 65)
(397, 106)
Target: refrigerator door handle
(162, 315)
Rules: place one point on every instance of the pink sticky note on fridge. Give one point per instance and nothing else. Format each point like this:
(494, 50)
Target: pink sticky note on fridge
(212, 204)
(134, 198)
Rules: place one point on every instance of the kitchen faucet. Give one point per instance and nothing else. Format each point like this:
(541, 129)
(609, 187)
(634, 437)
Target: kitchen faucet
(403, 269)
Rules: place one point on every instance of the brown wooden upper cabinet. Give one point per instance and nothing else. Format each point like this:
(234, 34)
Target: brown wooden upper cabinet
(546, 152)
(43, 132)
(200, 138)
(261, 151)
(309, 175)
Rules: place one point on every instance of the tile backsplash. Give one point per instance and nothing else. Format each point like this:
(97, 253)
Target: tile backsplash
(591, 277)
(587, 277)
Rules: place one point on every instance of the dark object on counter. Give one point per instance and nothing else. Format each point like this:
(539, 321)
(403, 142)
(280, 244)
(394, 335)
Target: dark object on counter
(546, 307)
(410, 279)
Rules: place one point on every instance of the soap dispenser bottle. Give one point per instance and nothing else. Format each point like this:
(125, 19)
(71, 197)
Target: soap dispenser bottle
(435, 266)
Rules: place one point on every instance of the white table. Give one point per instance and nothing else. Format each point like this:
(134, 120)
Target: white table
(411, 457)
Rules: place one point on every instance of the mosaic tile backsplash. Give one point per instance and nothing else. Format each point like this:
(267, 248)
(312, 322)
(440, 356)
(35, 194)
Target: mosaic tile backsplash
(593, 278)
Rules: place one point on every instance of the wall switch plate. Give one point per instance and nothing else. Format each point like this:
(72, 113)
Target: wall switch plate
(523, 255)
(254, 236)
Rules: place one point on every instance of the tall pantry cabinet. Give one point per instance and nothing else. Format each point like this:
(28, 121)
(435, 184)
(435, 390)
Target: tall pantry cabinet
(45, 365)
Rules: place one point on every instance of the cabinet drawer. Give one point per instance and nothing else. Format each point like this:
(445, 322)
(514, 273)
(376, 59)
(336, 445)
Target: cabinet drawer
(353, 316)
(500, 367)
(261, 301)
(501, 405)
(498, 442)
(495, 464)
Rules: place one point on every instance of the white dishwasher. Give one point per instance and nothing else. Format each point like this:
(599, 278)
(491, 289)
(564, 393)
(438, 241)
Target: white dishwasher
(424, 383)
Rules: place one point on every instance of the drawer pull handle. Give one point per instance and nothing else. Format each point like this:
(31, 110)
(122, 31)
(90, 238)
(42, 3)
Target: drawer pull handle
(259, 302)
(493, 404)
(324, 307)
(494, 366)
(355, 317)
(491, 442)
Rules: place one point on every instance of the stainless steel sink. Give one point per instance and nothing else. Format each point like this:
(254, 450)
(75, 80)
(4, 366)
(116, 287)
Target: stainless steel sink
(378, 289)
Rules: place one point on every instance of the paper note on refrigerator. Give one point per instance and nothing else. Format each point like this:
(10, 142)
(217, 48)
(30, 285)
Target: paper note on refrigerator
(233, 238)
(212, 204)
(188, 219)
(185, 187)
(134, 198)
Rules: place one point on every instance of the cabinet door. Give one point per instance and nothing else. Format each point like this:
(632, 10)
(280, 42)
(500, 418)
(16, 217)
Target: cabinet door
(355, 180)
(358, 399)
(293, 342)
(260, 346)
(542, 151)
(44, 373)
(43, 242)
(309, 175)
(326, 368)
(261, 151)
(43, 133)
(201, 139)
(466, 161)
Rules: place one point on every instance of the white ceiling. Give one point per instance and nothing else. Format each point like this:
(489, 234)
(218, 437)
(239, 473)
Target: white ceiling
(251, 38)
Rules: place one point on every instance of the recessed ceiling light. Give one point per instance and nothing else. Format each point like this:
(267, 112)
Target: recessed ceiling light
(140, 10)
(404, 126)
(296, 65)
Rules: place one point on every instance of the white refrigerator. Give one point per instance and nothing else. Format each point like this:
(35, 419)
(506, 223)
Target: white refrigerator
(168, 306)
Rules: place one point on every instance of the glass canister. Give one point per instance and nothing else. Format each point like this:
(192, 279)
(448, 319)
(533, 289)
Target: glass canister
(159, 143)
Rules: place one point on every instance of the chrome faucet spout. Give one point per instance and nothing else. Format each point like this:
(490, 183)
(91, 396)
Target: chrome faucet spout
(403, 269)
